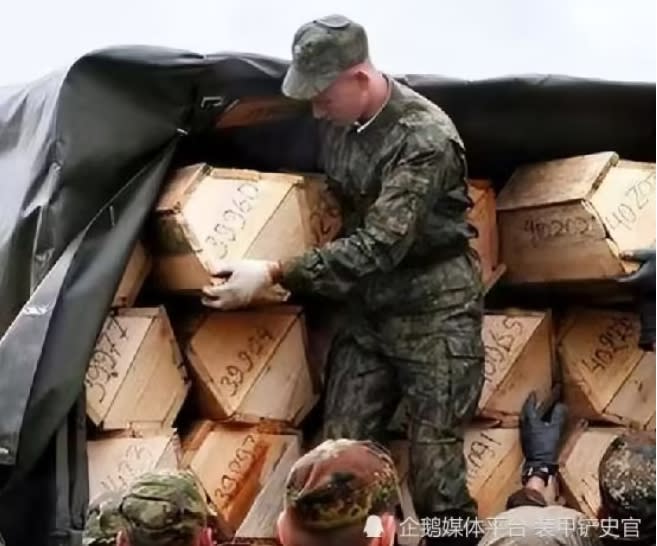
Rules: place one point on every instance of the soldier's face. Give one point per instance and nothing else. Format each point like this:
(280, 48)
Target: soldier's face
(344, 101)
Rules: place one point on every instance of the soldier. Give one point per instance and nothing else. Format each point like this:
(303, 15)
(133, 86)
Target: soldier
(343, 492)
(626, 477)
(164, 508)
(532, 517)
(104, 521)
(403, 266)
(627, 489)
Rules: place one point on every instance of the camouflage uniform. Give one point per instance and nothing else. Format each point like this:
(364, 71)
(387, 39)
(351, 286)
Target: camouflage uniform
(164, 508)
(627, 482)
(103, 520)
(339, 484)
(403, 266)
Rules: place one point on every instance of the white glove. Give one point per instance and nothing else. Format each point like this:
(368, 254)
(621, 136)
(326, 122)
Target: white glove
(246, 278)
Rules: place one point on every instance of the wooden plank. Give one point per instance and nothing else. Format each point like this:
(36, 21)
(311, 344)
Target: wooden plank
(155, 383)
(555, 181)
(634, 402)
(493, 458)
(241, 358)
(178, 186)
(249, 111)
(625, 202)
(115, 462)
(226, 214)
(598, 353)
(115, 350)
(579, 471)
(138, 267)
(233, 463)
(231, 350)
(288, 375)
(518, 361)
(260, 522)
(555, 243)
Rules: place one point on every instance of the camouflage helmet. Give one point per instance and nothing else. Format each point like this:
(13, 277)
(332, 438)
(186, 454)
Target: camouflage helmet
(321, 50)
(164, 508)
(627, 480)
(104, 520)
(341, 483)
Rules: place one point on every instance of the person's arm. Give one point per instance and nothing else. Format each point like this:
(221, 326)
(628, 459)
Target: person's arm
(389, 229)
(540, 440)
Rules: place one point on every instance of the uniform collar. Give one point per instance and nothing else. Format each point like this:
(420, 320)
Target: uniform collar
(360, 127)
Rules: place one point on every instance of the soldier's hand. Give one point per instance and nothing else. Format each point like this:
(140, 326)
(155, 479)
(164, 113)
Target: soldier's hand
(642, 282)
(541, 438)
(245, 279)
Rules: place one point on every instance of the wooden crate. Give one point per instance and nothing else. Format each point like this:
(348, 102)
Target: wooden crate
(259, 525)
(234, 463)
(578, 467)
(568, 219)
(483, 216)
(135, 378)
(253, 365)
(138, 268)
(494, 462)
(207, 215)
(519, 359)
(116, 459)
(606, 376)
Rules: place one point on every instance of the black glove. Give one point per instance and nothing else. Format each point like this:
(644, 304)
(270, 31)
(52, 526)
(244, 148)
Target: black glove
(540, 439)
(642, 282)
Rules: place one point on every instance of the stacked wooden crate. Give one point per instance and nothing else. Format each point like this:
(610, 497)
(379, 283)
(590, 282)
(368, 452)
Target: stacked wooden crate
(563, 226)
(253, 375)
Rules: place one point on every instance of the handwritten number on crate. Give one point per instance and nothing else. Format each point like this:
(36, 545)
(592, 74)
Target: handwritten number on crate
(615, 338)
(237, 467)
(233, 219)
(235, 373)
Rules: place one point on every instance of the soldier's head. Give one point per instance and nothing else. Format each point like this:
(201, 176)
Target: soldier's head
(104, 521)
(341, 492)
(627, 481)
(164, 508)
(331, 68)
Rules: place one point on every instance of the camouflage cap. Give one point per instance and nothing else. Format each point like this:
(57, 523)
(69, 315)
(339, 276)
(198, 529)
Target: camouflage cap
(340, 483)
(104, 520)
(627, 478)
(164, 508)
(321, 50)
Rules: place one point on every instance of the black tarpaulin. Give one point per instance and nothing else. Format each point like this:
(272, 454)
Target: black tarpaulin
(83, 154)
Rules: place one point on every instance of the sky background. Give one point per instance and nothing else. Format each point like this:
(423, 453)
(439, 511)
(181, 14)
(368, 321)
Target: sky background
(464, 38)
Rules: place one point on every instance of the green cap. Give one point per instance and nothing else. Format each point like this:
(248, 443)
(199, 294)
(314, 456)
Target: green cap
(340, 483)
(321, 50)
(627, 479)
(103, 520)
(164, 508)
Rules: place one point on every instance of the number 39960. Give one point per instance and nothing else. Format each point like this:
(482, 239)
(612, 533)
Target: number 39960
(233, 219)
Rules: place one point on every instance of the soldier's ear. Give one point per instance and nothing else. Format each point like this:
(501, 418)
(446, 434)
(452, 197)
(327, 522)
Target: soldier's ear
(389, 524)
(122, 539)
(205, 538)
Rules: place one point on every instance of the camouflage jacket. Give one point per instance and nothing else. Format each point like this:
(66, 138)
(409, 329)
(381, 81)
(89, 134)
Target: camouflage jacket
(401, 181)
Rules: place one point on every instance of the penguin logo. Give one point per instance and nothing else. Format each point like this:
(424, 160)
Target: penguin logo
(373, 527)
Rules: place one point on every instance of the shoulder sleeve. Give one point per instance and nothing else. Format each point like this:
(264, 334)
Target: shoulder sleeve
(389, 230)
